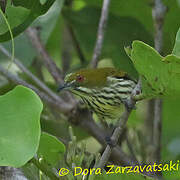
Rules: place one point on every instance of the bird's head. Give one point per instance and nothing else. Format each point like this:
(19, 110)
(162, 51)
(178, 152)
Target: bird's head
(89, 78)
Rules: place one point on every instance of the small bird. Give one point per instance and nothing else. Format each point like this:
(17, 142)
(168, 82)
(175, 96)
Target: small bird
(103, 90)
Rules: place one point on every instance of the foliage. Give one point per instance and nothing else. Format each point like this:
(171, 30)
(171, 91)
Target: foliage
(67, 29)
(21, 15)
(50, 149)
(19, 126)
(160, 75)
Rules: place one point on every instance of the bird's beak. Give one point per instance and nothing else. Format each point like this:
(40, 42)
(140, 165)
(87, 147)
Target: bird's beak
(65, 86)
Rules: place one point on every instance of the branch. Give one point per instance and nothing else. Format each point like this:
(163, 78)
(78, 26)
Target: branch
(60, 104)
(76, 45)
(129, 145)
(157, 128)
(158, 14)
(100, 33)
(31, 76)
(148, 129)
(48, 62)
(114, 138)
(83, 117)
(119, 129)
(117, 156)
(7, 172)
(66, 50)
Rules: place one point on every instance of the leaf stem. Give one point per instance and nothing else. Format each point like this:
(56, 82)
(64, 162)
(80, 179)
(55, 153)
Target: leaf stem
(45, 170)
(12, 38)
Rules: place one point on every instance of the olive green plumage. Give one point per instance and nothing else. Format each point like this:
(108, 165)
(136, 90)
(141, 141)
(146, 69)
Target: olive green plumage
(103, 90)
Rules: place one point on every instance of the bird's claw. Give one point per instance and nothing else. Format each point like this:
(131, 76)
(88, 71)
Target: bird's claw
(110, 142)
(129, 104)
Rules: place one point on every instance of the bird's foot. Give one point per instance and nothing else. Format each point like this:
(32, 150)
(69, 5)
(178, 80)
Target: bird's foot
(110, 142)
(129, 104)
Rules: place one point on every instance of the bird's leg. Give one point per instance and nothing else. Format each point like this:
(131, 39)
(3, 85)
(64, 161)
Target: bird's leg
(110, 142)
(129, 104)
(108, 139)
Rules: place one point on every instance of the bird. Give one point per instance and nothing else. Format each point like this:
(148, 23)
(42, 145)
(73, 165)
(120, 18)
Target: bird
(103, 90)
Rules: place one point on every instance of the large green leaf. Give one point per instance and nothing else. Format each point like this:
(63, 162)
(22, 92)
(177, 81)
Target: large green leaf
(161, 76)
(121, 31)
(176, 50)
(21, 16)
(19, 126)
(50, 18)
(171, 130)
(50, 148)
(142, 11)
(22, 42)
(23, 50)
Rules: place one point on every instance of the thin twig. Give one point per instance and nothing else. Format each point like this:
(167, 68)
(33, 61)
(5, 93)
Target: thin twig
(30, 75)
(114, 138)
(84, 117)
(158, 13)
(117, 156)
(121, 125)
(61, 105)
(66, 50)
(157, 129)
(76, 45)
(148, 129)
(48, 62)
(44, 169)
(100, 33)
(129, 144)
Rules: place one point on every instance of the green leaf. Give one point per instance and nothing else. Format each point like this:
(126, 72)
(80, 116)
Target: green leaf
(160, 76)
(19, 126)
(34, 5)
(15, 15)
(54, 42)
(176, 50)
(43, 1)
(173, 71)
(149, 64)
(170, 109)
(178, 1)
(52, 17)
(50, 148)
(21, 16)
(21, 42)
(3, 5)
(121, 31)
(131, 8)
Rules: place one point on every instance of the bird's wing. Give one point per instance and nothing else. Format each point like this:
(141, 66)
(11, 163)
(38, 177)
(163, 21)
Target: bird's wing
(114, 79)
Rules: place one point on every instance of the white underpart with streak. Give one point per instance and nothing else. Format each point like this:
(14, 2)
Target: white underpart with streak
(104, 101)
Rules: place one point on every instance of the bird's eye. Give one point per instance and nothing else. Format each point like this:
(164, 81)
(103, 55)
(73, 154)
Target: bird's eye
(79, 78)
